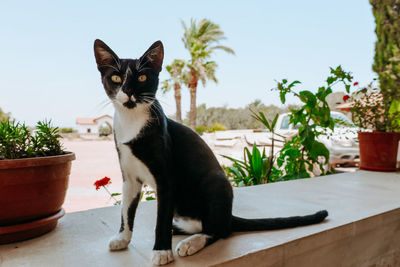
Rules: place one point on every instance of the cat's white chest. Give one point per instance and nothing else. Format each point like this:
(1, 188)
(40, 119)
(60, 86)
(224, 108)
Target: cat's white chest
(127, 126)
(129, 123)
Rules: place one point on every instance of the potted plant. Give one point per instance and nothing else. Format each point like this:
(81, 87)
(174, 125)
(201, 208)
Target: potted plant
(34, 173)
(379, 124)
(377, 110)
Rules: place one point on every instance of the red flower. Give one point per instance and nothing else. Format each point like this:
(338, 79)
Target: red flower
(346, 97)
(356, 83)
(102, 182)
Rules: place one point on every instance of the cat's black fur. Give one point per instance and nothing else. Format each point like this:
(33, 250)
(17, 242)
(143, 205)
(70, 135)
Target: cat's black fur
(189, 180)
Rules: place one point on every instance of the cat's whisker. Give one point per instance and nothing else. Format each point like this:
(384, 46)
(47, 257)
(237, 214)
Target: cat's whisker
(163, 102)
(155, 113)
(103, 104)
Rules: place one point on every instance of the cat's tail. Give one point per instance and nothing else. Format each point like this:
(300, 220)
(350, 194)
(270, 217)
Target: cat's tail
(244, 225)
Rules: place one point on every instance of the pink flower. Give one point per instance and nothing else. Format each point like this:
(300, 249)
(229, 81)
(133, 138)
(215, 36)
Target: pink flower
(102, 182)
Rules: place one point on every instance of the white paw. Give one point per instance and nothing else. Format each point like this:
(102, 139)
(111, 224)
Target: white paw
(191, 245)
(161, 257)
(118, 243)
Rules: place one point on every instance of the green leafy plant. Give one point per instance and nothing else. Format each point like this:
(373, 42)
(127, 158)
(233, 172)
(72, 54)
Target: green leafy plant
(371, 112)
(253, 170)
(18, 141)
(303, 152)
(148, 193)
(257, 167)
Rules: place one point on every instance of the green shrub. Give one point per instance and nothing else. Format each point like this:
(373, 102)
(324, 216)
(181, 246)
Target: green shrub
(256, 168)
(302, 153)
(104, 131)
(216, 127)
(210, 129)
(201, 129)
(68, 130)
(17, 141)
(253, 170)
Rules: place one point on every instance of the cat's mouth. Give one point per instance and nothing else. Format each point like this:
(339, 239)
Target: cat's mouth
(130, 104)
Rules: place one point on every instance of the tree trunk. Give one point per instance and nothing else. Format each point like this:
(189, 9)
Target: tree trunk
(177, 89)
(193, 89)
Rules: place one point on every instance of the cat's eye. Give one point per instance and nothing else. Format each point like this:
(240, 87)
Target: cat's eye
(142, 78)
(116, 79)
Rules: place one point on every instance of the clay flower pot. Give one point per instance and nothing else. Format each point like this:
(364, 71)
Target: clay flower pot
(32, 189)
(378, 150)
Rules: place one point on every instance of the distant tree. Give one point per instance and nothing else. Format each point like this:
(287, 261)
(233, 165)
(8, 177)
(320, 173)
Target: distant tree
(201, 40)
(179, 76)
(3, 115)
(387, 47)
(235, 118)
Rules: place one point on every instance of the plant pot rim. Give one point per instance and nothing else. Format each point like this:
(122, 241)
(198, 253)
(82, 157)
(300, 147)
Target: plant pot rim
(378, 133)
(37, 161)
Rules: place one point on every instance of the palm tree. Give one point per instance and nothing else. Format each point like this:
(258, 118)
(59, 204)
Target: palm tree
(201, 40)
(178, 76)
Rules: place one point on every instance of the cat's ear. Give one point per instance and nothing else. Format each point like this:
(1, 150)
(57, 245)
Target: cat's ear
(154, 56)
(104, 55)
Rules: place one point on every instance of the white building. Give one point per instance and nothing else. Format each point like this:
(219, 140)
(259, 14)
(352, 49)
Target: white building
(92, 125)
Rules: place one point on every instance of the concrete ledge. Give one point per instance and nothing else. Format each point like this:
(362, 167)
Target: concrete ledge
(363, 229)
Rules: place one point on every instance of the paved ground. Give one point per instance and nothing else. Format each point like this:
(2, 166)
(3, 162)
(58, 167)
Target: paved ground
(94, 160)
(98, 158)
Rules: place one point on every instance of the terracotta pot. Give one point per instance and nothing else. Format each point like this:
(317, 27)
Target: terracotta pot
(378, 150)
(33, 188)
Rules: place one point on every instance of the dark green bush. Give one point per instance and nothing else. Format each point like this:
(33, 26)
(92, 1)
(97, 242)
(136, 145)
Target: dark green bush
(17, 141)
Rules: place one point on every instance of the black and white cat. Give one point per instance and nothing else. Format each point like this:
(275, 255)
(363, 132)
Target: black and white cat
(193, 195)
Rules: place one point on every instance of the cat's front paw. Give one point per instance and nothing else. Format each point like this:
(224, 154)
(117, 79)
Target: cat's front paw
(161, 257)
(191, 245)
(118, 243)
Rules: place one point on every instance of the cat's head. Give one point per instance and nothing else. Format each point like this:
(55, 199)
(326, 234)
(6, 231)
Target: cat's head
(129, 82)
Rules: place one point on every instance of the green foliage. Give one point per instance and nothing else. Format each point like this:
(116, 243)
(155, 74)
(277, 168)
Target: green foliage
(179, 75)
(300, 154)
(236, 118)
(387, 48)
(104, 130)
(370, 111)
(67, 130)
(17, 141)
(201, 39)
(147, 193)
(256, 168)
(210, 129)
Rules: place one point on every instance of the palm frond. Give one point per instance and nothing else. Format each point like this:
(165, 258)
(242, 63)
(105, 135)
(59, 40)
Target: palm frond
(224, 48)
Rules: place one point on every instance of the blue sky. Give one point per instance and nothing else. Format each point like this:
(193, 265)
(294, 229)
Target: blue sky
(48, 70)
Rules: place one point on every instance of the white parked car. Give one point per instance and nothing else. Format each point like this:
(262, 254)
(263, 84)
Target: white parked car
(342, 142)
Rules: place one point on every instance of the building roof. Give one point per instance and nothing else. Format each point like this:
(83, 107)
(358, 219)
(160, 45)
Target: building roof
(90, 120)
(345, 106)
